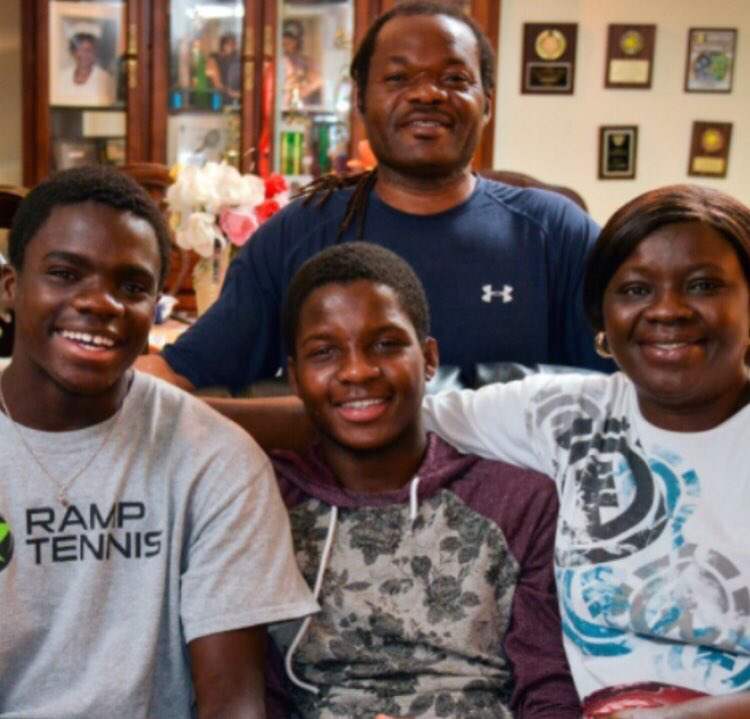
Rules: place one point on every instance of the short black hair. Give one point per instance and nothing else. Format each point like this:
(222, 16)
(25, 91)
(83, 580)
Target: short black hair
(94, 183)
(349, 262)
(360, 67)
(639, 218)
(81, 37)
(226, 38)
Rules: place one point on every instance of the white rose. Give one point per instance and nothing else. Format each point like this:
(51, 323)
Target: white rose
(199, 232)
(211, 178)
(184, 195)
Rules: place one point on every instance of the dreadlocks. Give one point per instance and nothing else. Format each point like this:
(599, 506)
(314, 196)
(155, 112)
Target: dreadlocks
(323, 188)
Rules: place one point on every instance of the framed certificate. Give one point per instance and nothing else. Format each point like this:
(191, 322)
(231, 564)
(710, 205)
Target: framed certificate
(709, 149)
(548, 63)
(618, 145)
(710, 59)
(630, 56)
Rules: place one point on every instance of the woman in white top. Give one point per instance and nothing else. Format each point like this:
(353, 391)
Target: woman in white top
(652, 463)
(85, 82)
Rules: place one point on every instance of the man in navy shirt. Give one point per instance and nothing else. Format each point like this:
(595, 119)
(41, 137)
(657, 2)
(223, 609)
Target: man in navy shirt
(501, 265)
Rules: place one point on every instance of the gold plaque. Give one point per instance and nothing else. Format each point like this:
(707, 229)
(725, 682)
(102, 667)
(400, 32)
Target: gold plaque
(709, 148)
(630, 56)
(550, 44)
(712, 140)
(631, 42)
(709, 166)
(549, 55)
(629, 72)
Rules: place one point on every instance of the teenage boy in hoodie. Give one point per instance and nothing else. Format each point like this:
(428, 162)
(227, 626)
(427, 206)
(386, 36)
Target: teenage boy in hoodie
(142, 537)
(433, 569)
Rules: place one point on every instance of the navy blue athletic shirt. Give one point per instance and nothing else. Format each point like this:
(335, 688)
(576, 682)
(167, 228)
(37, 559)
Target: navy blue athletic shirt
(502, 272)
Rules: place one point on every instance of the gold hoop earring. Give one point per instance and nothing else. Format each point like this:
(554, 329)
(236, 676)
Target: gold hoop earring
(601, 345)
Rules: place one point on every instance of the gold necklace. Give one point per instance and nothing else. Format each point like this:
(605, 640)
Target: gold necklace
(62, 487)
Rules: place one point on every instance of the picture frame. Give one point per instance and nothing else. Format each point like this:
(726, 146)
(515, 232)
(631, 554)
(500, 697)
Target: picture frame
(630, 56)
(197, 138)
(618, 152)
(709, 66)
(86, 40)
(115, 151)
(302, 80)
(709, 149)
(548, 61)
(70, 153)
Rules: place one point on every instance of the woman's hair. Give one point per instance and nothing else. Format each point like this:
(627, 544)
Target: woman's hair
(79, 38)
(639, 218)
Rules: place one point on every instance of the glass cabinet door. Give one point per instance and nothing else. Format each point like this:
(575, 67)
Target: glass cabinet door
(87, 83)
(205, 81)
(313, 97)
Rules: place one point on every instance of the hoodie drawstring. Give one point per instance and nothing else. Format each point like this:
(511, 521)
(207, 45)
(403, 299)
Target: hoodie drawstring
(413, 500)
(316, 591)
(332, 518)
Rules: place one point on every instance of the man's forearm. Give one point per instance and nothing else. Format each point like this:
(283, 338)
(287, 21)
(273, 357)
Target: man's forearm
(157, 366)
(274, 422)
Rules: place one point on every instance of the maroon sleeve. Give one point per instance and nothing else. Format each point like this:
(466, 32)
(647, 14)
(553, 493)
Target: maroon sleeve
(543, 685)
(523, 504)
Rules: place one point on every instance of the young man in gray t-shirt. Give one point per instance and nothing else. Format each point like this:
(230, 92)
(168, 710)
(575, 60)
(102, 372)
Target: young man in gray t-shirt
(142, 537)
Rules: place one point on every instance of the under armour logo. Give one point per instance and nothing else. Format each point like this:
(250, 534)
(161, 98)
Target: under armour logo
(506, 294)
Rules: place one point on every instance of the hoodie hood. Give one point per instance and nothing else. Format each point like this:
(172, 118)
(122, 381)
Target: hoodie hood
(307, 475)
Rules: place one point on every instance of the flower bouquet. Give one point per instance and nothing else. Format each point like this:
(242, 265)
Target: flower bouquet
(214, 209)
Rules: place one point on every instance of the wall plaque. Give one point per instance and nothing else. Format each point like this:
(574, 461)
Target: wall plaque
(548, 63)
(618, 145)
(709, 149)
(630, 56)
(710, 59)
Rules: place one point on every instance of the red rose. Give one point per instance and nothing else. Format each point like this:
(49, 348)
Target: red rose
(266, 209)
(274, 184)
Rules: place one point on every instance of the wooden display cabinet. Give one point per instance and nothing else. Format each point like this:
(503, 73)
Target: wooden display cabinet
(260, 83)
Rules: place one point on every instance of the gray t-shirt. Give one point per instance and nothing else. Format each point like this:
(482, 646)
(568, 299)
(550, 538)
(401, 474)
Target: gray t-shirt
(174, 532)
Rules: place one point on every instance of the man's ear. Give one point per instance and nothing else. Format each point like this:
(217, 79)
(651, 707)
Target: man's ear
(431, 356)
(8, 280)
(489, 105)
(358, 98)
(292, 374)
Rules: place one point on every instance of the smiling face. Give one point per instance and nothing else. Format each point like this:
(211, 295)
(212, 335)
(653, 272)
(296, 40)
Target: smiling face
(677, 318)
(360, 369)
(83, 299)
(85, 54)
(424, 108)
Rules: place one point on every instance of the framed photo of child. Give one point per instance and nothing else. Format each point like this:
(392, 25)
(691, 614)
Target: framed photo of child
(86, 43)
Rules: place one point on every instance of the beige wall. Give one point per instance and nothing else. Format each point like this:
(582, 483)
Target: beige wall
(556, 138)
(11, 171)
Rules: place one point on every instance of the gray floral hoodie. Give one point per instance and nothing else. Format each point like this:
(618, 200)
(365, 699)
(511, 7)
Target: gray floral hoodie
(436, 600)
